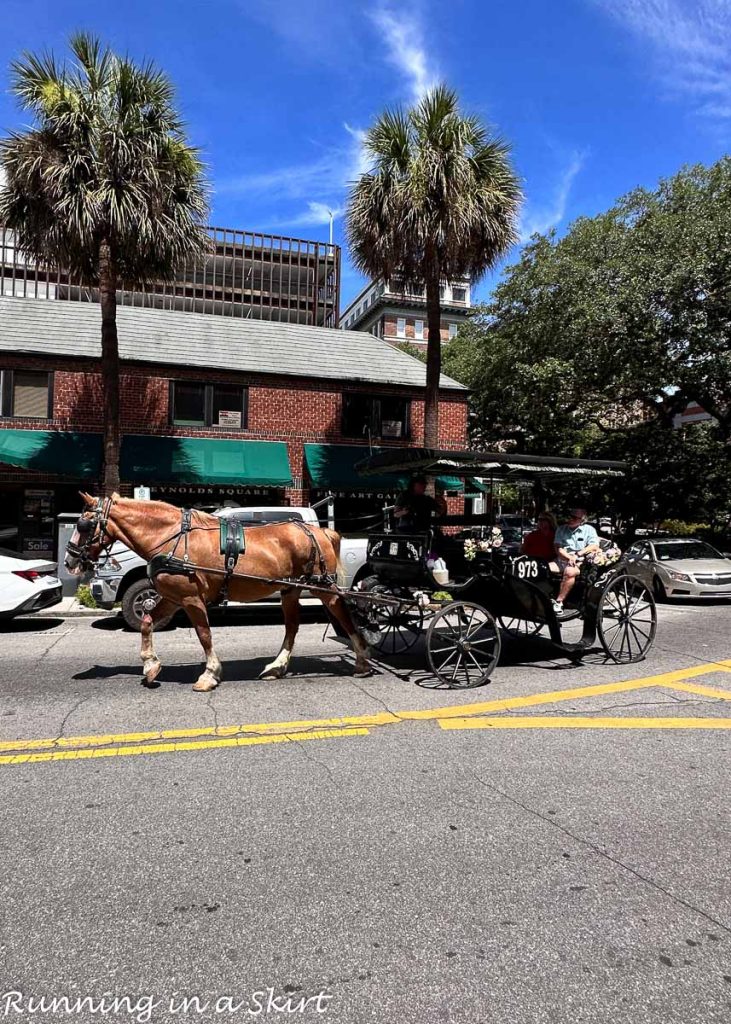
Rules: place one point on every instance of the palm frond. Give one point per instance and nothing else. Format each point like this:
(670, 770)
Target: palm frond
(107, 158)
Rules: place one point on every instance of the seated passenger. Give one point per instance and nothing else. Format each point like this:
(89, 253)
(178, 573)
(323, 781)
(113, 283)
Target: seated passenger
(574, 540)
(540, 542)
(415, 509)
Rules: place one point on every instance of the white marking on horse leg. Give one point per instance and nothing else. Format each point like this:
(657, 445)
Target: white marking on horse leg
(278, 668)
(211, 677)
(150, 662)
(362, 654)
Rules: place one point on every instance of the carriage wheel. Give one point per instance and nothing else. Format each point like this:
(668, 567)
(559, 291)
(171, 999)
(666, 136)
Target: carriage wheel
(626, 619)
(462, 645)
(519, 628)
(399, 627)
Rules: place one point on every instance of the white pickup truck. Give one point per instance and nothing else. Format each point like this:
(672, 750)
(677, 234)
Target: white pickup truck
(122, 576)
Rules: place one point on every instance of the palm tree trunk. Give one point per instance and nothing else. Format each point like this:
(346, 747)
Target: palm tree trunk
(110, 367)
(433, 360)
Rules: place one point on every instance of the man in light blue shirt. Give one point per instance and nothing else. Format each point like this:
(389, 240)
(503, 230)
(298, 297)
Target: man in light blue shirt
(574, 540)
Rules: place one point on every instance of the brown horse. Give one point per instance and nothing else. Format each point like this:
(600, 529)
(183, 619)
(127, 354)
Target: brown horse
(279, 551)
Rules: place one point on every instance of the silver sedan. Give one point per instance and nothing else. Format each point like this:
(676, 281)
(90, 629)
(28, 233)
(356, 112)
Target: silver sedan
(681, 567)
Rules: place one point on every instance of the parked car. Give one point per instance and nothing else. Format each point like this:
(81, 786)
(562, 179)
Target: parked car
(515, 521)
(122, 576)
(681, 567)
(27, 584)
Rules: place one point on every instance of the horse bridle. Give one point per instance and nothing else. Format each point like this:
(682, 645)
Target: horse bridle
(92, 531)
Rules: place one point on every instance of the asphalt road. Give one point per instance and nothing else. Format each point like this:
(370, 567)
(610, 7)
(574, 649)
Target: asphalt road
(553, 847)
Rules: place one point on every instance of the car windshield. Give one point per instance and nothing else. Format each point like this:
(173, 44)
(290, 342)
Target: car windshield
(676, 549)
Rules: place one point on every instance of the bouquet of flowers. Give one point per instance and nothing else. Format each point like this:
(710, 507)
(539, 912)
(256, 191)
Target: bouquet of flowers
(605, 556)
(474, 545)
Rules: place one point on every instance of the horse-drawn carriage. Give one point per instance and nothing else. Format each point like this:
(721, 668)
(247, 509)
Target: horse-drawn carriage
(491, 592)
(194, 563)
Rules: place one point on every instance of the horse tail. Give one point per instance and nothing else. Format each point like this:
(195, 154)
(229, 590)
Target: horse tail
(334, 537)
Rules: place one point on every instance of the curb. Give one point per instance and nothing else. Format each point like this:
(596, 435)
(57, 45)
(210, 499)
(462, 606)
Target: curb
(75, 612)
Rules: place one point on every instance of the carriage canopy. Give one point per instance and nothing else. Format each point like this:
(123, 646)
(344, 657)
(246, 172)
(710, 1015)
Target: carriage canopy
(496, 465)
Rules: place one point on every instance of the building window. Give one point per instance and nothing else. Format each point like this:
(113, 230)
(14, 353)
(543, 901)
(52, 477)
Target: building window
(26, 394)
(459, 294)
(452, 331)
(419, 330)
(401, 327)
(376, 416)
(208, 405)
(442, 291)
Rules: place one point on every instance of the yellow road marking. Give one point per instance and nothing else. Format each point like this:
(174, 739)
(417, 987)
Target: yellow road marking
(169, 748)
(666, 679)
(169, 740)
(704, 691)
(583, 722)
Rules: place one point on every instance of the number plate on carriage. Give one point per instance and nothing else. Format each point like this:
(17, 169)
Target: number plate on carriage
(393, 549)
(529, 568)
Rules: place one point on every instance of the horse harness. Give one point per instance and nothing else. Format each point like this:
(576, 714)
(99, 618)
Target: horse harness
(232, 545)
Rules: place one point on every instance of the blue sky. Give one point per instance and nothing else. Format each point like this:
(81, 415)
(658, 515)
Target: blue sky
(595, 96)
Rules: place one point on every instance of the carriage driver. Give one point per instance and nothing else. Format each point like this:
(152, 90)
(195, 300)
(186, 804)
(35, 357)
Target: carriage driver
(415, 509)
(574, 539)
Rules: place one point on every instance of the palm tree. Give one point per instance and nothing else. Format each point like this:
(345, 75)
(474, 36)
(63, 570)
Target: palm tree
(103, 185)
(440, 204)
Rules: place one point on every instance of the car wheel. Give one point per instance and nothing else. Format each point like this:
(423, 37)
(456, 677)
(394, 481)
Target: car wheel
(658, 589)
(133, 605)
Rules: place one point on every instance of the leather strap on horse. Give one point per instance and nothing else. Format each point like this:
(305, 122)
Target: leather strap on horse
(315, 555)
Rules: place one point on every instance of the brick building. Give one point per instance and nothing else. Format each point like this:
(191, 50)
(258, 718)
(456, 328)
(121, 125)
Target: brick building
(390, 310)
(213, 409)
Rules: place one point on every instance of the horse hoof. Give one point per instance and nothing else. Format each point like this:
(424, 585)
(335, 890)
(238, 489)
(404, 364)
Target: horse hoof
(361, 673)
(151, 670)
(273, 672)
(205, 683)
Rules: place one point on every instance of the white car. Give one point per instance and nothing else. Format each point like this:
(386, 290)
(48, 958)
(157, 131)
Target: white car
(681, 567)
(122, 577)
(26, 584)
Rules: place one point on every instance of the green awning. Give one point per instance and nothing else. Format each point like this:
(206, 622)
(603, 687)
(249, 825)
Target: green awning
(331, 468)
(204, 460)
(61, 452)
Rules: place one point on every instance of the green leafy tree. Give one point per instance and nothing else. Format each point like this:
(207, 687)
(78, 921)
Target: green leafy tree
(440, 203)
(629, 314)
(104, 185)
(595, 341)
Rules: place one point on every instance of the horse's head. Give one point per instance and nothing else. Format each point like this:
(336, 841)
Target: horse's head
(91, 535)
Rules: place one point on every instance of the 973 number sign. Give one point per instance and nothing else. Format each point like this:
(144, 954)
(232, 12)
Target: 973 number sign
(529, 568)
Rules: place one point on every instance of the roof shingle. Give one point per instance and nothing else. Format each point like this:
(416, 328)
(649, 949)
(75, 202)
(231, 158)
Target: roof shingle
(41, 326)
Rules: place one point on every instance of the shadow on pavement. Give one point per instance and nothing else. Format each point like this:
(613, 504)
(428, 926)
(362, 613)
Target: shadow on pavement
(241, 671)
(254, 614)
(528, 652)
(29, 625)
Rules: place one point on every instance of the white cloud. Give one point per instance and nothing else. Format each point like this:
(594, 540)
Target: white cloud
(404, 39)
(315, 214)
(320, 183)
(539, 219)
(692, 44)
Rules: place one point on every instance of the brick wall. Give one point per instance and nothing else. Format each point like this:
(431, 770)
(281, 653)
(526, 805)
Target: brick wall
(294, 411)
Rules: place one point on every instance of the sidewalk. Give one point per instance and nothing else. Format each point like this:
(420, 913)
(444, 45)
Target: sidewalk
(69, 608)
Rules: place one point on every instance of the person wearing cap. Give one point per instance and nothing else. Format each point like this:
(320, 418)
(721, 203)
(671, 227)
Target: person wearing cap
(574, 540)
(415, 509)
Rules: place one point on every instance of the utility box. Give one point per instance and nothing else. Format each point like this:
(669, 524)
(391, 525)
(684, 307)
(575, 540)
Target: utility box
(66, 526)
